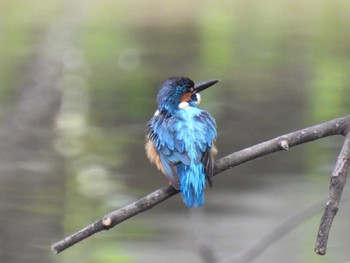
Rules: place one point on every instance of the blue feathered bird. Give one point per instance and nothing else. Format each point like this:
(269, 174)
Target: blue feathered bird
(180, 138)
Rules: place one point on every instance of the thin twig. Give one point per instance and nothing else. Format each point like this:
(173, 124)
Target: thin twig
(336, 186)
(284, 142)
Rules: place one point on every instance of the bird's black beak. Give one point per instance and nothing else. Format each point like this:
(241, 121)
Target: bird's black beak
(198, 87)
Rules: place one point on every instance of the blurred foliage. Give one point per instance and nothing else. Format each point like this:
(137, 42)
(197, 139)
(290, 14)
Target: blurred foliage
(22, 24)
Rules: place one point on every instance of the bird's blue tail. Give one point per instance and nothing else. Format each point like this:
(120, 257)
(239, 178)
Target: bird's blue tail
(192, 183)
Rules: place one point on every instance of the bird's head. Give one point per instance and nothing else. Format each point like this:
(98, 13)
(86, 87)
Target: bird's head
(180, 92)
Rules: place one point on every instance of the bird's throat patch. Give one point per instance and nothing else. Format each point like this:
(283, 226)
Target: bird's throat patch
(184, 105)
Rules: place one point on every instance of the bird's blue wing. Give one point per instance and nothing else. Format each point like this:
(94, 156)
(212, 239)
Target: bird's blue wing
(161, 133)
(198, 133)
(182, 138)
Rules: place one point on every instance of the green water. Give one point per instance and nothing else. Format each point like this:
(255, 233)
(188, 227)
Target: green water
(78, 83)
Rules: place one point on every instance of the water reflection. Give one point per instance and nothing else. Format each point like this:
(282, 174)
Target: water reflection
(74, 150)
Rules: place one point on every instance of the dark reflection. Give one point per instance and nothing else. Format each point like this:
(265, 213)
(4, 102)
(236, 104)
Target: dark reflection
(31, 172)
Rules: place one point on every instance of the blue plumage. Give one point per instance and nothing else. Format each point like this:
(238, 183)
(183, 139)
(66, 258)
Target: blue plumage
(180, 138)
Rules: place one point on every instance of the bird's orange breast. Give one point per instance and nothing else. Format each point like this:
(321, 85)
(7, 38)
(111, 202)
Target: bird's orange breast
(214, 149)
(153, 155)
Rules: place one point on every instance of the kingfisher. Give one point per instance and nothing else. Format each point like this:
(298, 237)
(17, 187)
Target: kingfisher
(180, 138)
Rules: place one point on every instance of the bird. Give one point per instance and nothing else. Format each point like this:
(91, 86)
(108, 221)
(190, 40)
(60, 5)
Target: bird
(180, 138)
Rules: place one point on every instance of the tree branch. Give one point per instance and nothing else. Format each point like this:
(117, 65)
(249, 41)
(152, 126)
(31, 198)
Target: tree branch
(336, 186)
(284, 142)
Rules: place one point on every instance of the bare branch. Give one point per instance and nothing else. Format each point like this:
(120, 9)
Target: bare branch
(115, 217)
(336, 186)
(284, 142)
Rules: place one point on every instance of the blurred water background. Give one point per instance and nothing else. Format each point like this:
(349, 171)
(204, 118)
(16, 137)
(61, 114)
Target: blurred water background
(78, 82)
